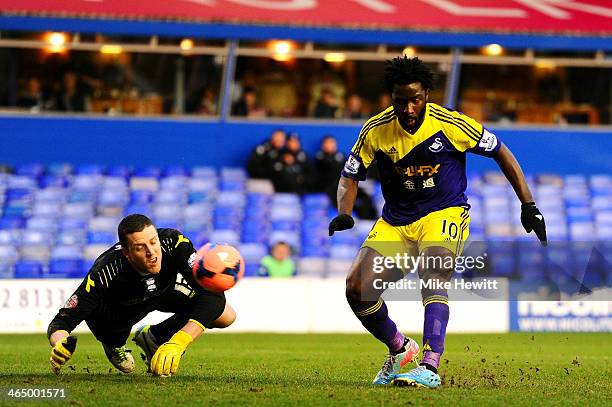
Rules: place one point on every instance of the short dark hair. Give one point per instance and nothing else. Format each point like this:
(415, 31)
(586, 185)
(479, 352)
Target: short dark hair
(404, 70)
(131, 224)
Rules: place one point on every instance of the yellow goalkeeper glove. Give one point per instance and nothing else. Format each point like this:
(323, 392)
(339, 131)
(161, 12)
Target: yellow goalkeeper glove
(168, 356)
(62, 352)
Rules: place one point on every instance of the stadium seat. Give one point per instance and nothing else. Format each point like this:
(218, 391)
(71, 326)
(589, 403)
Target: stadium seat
(33, 170)
(253, 252)
(28, 269)
(224, 236)
(92, 251)
(8, 254)
(66, 252)
(101, 237)
(204, 172)
(64, 268)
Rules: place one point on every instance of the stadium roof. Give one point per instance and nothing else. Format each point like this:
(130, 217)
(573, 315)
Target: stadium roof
(575, 24)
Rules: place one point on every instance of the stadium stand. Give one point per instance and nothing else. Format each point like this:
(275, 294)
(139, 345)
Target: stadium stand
(55, 220)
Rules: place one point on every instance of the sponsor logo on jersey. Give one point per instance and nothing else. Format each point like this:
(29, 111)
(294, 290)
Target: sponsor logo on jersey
(352, 165)
(436, 146)
(72, 302)
(392, 150)
(418, 170)
(488, 141)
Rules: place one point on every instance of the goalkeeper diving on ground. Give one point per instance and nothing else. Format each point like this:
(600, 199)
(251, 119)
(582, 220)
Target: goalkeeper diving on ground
(149, 269)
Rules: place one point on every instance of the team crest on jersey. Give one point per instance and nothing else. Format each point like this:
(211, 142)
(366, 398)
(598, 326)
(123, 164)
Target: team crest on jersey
(150, 283)
(72, 302)
(436, 146)
(352, 165)
(488, 141)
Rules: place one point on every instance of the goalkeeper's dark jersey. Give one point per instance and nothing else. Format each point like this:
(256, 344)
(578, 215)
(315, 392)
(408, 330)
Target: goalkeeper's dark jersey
(114, 291)
(422, 172)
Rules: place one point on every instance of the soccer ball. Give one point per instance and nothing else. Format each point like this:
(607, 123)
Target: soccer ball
(218, 267)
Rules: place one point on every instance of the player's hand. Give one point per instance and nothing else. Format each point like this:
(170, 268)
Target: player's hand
(532, 219)
(168, 356)
(62, 352)
(341, 222)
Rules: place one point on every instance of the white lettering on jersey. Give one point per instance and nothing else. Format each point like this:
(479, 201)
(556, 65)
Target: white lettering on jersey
(488, 141)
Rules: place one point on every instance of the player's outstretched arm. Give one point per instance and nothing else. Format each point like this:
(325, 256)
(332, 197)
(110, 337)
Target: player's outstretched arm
(166, 360)
(531, 217)
(347, 193)
(63, 346)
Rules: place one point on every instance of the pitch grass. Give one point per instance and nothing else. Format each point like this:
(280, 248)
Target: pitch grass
(270, 369)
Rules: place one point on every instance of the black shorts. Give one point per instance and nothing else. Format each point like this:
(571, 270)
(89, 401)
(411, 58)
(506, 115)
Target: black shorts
(114, 331)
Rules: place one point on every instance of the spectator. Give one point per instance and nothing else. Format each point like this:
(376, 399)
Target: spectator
(248, 105)
(328, 164)
(32, 96)
(294, 146)
(288, 175)
(354, 107)
(262, 160)
(384, 101)
(208, 103)
(278, 263)
(71, 96)
(327, 105)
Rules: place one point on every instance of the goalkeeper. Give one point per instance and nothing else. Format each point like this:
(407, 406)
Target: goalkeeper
(148, 270)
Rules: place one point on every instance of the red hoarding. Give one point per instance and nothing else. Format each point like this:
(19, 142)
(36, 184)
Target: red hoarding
(553, 16)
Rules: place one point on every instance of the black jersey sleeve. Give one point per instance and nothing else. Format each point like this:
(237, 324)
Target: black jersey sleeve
(82, 303)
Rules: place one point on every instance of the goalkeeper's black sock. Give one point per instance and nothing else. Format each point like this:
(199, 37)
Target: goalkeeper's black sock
(165, 329)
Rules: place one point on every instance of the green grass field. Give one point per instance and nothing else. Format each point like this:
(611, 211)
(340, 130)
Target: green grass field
(268, 369)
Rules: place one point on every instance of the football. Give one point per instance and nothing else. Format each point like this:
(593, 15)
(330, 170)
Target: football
(218, 266)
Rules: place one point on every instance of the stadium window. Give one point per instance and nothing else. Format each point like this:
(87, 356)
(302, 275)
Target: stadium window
(542, 93)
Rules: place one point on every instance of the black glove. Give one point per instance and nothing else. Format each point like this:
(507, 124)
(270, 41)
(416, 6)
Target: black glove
(532, 219)
(340, 222)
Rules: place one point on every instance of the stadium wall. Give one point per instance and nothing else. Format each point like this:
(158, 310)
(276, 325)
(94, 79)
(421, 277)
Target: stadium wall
(191, 142)
(262, 305)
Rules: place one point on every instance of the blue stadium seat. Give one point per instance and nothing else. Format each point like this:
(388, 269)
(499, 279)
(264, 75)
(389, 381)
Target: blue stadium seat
(33, 170)
(90, 169)
(224, 236)
(252, 270)
(8, 254)
(28, 269)
(176, 170)
(153, 172)
(69, 223)
(59, 169)
(64, 268)
(42, 223)
(49, 180)
(252, 253)
(203, 172)
(119, 171)
(101, 237)
(66, 252)
(12, 222)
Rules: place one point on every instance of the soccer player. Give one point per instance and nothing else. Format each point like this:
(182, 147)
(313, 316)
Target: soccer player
(149, 269)
(420, 149)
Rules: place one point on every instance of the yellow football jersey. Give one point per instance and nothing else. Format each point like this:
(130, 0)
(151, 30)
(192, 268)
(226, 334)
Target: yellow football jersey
(421, 172)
